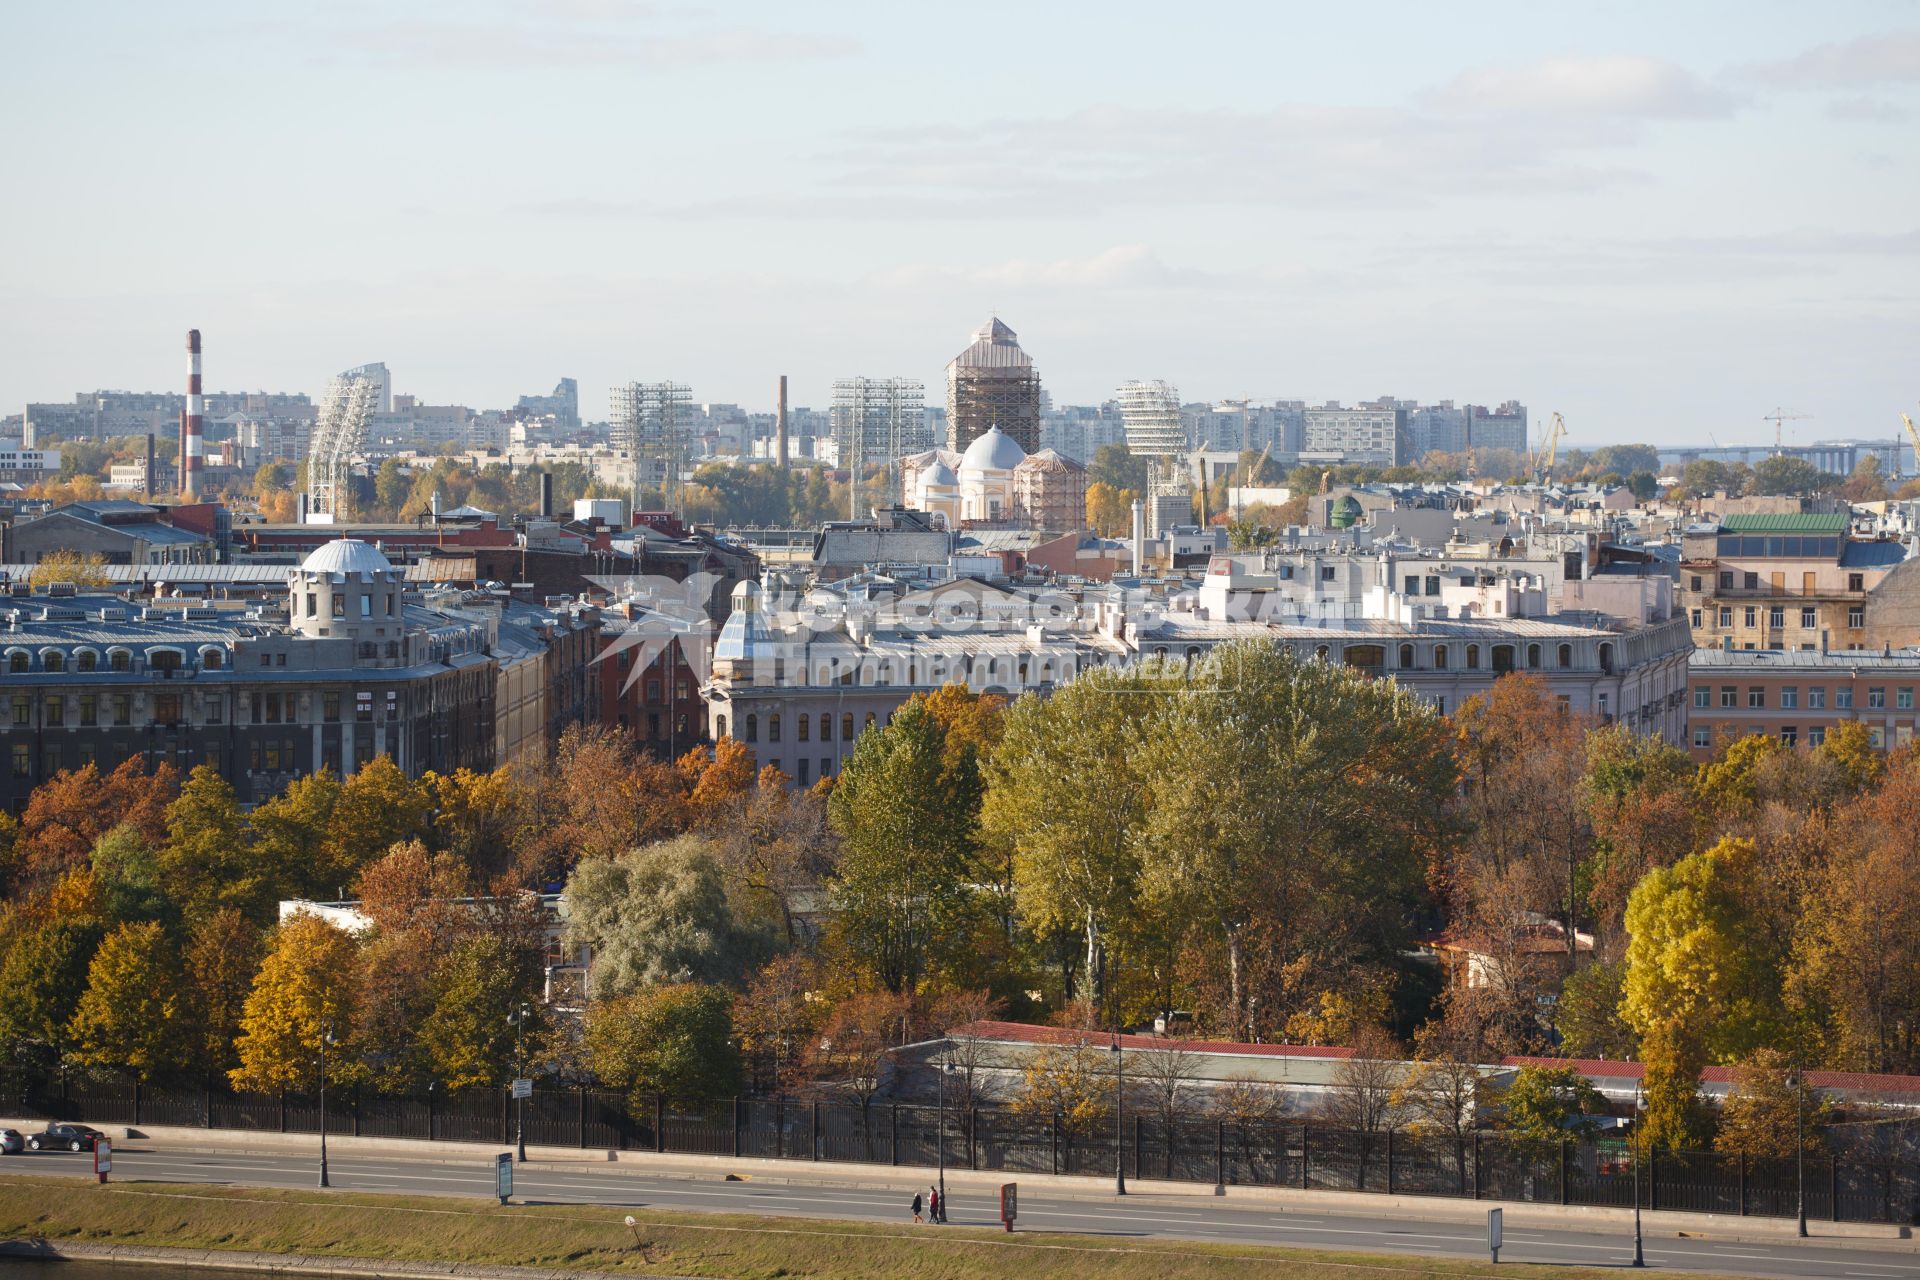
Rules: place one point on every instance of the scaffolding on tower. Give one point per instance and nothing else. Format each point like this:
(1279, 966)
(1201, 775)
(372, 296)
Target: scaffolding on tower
(339, 436)
(878, 420)
(650, 423)
(1150, 412)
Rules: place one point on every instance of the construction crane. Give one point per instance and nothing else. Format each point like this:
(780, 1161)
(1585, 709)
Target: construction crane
(1913, 434)
(1548, 449)
(1777, 417)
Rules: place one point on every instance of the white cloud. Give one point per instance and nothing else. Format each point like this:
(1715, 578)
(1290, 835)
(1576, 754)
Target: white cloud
(1626, 85)
(1865, 107)
(1886, 58)
(1124, 266)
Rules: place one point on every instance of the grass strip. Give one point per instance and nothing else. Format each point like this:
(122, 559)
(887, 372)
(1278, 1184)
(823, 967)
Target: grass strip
(666, 1242)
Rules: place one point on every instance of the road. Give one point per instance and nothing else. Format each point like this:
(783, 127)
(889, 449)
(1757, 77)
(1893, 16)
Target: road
(1140, 1216)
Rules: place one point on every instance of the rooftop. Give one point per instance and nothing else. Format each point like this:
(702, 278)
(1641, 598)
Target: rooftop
(1828, 523)
(1790, 660)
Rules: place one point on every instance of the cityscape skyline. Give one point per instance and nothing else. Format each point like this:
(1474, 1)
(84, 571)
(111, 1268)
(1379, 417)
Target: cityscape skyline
(1655, 223)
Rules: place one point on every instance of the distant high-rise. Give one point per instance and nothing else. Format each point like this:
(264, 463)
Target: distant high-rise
(993, 384)
(563, 404)
(652, 422)
(1151, 411)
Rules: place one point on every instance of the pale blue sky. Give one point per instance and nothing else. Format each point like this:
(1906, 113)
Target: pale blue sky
(1660, 219)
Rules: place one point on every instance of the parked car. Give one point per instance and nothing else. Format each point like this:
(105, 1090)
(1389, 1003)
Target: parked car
(11, 1143)
(72, 1137)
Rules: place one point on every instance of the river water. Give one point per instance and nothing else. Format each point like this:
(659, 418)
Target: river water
(34, 1269)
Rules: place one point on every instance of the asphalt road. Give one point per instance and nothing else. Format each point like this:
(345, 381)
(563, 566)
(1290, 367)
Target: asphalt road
(1142, 1215)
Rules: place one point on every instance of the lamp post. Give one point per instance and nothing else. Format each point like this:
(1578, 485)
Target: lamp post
(1120, 1117)
(940, 1142)
(1639, 1255)
(326, 1038)
(1800, 1147)
(517, 1019)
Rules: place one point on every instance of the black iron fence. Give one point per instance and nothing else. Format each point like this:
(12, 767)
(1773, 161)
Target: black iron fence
(1481, 1166)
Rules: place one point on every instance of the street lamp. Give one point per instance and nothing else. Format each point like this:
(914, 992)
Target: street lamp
(517, 1019)
(1800, 1146)
(1120, 1117)
(326, 1038)
(940, 1142)
(1639, 1255)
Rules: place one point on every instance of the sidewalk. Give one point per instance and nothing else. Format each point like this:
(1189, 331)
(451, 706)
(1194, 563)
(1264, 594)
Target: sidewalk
(907, 1178)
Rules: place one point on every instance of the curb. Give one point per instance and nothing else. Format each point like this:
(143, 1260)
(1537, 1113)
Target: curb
(278, 1263)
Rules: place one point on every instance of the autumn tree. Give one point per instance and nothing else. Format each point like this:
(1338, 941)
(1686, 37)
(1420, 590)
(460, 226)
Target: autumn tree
(377, 808)
(476, 816)
(208, 859)
(68, 813)
(674, 1040)
(42, 979)
(654, 915)
(1549, 1104)
(1637, 793)
(775, 852)
(466, 1039)
(414, 901)
(303, 991)
(718, 780)
(858, 1037)
(222, 955)
(598, 798)
(84, 569)
(291, 838)
(1364, 1097)
(128, 878)
(906, 825)
(778, 1013)
(1770, 1111)
(1069, 1083)
(132, 1017)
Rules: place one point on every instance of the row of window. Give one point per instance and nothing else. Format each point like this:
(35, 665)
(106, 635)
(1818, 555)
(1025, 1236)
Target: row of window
(340, 605)
(21, 661)
(750, 726)
(1777, 617)
(1816, 696)
(1750, 580)
(1703, 735)
(169, 708)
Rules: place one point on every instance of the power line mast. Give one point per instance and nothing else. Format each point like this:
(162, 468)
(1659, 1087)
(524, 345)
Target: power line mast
(339, 435)
(649, 422)
(878, 420)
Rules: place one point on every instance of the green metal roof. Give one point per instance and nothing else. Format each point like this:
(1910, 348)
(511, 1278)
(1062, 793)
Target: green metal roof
(1835, 522)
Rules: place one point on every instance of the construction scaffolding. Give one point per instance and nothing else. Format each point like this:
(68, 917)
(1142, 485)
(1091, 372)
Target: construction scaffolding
(993, 384)
(1150, 412)
(650, 423)
(339, 436)
(878, 421)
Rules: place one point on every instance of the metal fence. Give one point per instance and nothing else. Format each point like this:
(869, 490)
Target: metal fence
(1481, 1166)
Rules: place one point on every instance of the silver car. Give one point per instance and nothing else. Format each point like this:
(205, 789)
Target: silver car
(11, 1143)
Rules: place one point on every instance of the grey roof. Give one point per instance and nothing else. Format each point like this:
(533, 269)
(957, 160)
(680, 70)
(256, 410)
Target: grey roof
(1859, 555)
(1787, 661)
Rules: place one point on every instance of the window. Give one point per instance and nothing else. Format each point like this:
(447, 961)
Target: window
(802, 723)
(89, 710)
(86, 660)
(19, 660)
(1433, 584)
(393, 706)
(273, 707)
(366, 606)
(1750, 616)
(1473, 657)
(806, 765)
(753, 729)
(1566, 656)
(826, 727)
(1789, 735)
(266, 659)
(217, 709)
(1696, 582)
(1440, 656)
(56, 711)
(1816, 736)
(868, 724)
(166, 708)
(1703, 697)
(1726, 616)
(339, 606)
(1606, 658)
(1777, 617)
(210, 660)
(1533, 657)
(1809, 617)
(1816, 699)
(22, 711)
(1877, 699)
(1406, 656)
(1856, 582)
(120, 660)
(1726, 582)
(1903, 699)
(1757, 696)
(773, 727)
(313, 607)
(362, 707)
(1326, 573)
(1789, 697)
(719, 727)
(1877, 738)
(22, 760)
(389, 603)
(1696, 619)
(1856, 616)
(1502, 659)
(122, 709)
(53, 660)
(330, 707)
(1843, 699)
(1729, 696)
(1702, 736)
(846, 727)
(1751, 581)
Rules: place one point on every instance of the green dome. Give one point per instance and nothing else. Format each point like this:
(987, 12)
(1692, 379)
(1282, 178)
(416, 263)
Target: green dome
(1345, 513)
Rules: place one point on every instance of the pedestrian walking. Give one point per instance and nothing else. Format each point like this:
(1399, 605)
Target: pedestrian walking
(933, 1204)
(916, 1206)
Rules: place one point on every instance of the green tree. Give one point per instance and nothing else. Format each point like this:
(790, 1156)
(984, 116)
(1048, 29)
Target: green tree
(131, 1017)
(291, 841)
(467, 1038)
(1294, 795)
(303, 990)
(1066, 792)
(653, 915)
(675, 1040)
(1770, 1110)
(1588, 1013)
(128, 878)
(1116, 467)
(1791, 477)
(906, 823)
(41, 982)
(1547, 1104)
(392, 485)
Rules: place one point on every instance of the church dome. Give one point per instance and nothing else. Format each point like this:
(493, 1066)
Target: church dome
(346, 555)
(994, 450)
(939, 474)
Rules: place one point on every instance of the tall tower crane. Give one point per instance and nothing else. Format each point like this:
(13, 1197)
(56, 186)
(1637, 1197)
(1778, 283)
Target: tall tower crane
(1777, 417)
(1913, 434)
(1548, 449)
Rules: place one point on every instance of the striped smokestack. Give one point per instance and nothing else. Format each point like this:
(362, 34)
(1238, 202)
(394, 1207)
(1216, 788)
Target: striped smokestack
(190, 444)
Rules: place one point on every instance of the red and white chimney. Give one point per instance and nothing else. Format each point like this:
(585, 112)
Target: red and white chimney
(190, 437)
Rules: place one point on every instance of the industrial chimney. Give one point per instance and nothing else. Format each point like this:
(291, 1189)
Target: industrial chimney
(147, 484)
(190, 446)
(546, 495)
(1139, 534)
(780, 425)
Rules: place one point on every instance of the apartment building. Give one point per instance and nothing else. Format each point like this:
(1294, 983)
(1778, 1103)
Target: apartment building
(1794, 582)
(1799, 697)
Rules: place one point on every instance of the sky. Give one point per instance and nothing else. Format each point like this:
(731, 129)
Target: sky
(1662, 220)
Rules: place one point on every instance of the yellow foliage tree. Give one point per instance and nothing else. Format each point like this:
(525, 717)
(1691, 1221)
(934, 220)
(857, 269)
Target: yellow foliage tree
(130, 1017)
(83, 569)
(303, 990)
